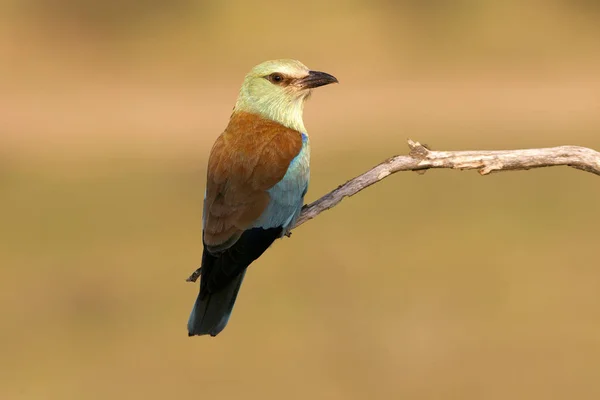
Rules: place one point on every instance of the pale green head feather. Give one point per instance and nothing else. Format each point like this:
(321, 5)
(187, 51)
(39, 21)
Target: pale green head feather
(279, 102)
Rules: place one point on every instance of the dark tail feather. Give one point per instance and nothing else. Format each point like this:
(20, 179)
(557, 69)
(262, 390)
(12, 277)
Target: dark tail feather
(211, 311)
(221, 277)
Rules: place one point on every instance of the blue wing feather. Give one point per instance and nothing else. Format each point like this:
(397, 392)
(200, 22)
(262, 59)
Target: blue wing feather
(287, 196)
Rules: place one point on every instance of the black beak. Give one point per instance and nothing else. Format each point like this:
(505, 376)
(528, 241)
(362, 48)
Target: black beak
(316, 79)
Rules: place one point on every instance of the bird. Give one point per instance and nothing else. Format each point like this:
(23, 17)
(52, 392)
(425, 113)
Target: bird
(257, 176)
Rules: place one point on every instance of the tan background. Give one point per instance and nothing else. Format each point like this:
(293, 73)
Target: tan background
(441, 286)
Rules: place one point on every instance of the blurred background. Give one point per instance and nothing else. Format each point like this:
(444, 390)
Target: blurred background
(445, 285)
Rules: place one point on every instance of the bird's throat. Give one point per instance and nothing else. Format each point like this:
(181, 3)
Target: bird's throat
(285, 111)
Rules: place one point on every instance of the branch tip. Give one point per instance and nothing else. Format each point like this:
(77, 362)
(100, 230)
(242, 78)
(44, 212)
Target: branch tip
(194, 276)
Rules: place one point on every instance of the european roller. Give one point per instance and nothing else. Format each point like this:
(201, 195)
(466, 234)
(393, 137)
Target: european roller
(258, 173)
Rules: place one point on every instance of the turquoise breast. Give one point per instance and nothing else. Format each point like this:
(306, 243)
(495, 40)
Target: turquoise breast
(287, 196)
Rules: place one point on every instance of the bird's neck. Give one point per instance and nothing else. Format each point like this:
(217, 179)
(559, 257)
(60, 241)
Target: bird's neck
(287, 112)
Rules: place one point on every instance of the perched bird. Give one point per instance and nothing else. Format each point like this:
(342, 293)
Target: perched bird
(258, 173)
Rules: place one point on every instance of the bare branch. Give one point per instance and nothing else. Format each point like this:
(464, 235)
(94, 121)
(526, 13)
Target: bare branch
(421, 158)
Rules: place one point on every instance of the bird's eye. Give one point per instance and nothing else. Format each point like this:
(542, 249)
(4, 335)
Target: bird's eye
(275, 78)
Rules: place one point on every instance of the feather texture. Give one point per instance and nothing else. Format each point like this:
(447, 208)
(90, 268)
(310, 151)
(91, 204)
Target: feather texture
(287, 196)
(250, 157)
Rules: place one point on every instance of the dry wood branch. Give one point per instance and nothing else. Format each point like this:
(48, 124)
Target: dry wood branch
(421, 158)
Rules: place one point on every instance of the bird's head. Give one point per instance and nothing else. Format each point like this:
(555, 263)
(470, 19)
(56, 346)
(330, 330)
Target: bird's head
(277, 90)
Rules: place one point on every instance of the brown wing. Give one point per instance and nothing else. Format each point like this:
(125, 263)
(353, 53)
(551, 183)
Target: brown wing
(249, 157)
